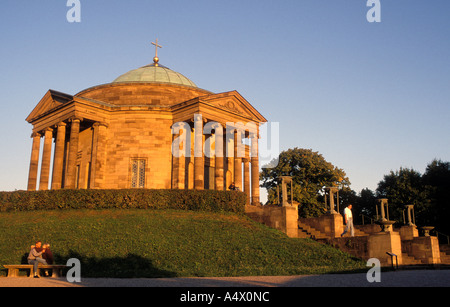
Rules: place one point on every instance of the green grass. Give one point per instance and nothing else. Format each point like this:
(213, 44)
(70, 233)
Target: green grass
(166, 243)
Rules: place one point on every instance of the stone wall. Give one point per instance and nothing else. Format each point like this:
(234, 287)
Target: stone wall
(139, 135)
(152, 94)
(425, 249)
(284, 219)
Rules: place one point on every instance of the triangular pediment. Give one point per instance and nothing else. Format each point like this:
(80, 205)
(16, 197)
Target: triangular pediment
(51, 101)
(235, 103)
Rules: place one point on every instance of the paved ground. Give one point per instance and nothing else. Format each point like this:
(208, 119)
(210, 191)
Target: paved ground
(413, 278)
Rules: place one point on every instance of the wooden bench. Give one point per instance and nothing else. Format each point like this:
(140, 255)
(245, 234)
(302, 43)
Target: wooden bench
(13, 269)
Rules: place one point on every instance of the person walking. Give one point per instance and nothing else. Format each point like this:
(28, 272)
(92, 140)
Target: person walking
(35, 257)
(348, 219)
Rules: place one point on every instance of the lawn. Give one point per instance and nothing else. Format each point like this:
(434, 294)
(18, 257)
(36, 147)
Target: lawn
(166, 243)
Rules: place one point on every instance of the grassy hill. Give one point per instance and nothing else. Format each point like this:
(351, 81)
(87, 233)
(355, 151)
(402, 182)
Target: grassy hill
(165, 243)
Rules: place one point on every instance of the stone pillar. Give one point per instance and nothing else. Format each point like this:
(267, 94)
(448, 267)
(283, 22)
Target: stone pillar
(284, 181)
(199, 162)
(290, 220)
(331, 191)
(237, 162)
(408, 232)
(411, 218)
(383, 205)
(46, 157)
(98, 159)
(255, 169)
(218, 154)
(58, 160)
(247, 179)
(176, 180)
(73, 151)
(381, 243)
(34, 162)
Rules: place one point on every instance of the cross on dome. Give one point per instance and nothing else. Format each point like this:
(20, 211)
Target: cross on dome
(156, 59)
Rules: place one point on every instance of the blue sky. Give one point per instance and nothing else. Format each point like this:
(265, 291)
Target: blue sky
(370, 97)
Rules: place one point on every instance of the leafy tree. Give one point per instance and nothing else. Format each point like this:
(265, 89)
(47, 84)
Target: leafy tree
(428, 193)
(436, 180)
(404, 187)
(310, 173)
(365, 204)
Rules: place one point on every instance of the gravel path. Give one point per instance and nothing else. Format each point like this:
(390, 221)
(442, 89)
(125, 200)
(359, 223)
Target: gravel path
(413, 278)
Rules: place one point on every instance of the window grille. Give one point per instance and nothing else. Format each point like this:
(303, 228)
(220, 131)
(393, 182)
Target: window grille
(138, 173)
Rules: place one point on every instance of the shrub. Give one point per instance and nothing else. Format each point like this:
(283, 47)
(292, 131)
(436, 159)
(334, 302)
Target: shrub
(205, 200)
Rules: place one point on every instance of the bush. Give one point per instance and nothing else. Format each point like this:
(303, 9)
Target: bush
(206, 200)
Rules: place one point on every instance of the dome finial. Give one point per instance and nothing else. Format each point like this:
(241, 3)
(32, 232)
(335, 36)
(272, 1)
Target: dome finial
(156, 59)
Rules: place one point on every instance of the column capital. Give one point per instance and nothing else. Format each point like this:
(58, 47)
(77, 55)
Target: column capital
(61, 124)
(98, 124)
(36, 134)
(75, 118)
(198, 116)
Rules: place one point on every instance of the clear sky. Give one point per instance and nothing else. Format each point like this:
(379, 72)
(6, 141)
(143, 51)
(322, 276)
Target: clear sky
(370, 97)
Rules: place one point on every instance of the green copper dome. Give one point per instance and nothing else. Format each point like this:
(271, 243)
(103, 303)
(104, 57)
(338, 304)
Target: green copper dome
(154, 73)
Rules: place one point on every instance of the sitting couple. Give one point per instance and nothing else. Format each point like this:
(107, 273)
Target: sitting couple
(40, 254)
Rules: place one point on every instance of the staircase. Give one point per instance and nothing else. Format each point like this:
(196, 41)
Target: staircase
(306, 230)
(410, 260)
(358, 232)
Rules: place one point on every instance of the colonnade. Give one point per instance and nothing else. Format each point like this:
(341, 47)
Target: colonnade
(232, 160)
(66, 167)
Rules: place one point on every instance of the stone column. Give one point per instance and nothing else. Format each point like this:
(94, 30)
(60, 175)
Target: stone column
(229, 162)
(179, 159)
(247, 179)
(98, 159)
(73, 151)
(330, 192)
(46, 157)
(237, 162)
(34, 162)
(383, 205)
(199, 162)
(411, 218)
(58, 160)
(255, 169)
(284, 181)
(218, 154)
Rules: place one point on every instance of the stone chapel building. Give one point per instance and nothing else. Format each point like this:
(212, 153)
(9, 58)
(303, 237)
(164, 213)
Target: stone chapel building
(122, 135)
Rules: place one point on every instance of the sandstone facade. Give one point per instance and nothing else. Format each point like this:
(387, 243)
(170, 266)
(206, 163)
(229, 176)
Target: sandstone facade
(145, 134)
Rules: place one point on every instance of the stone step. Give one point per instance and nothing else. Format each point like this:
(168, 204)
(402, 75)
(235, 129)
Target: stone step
(320, 235)
(409, 260)
(311, 232)
(303, 235)
(357, 232)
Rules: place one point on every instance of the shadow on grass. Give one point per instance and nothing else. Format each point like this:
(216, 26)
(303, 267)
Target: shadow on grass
(130, 266)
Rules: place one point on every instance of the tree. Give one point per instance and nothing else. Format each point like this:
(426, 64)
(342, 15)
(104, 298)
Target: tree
(436, 180)
(404, 187)
(310, 173)
(365, 205)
